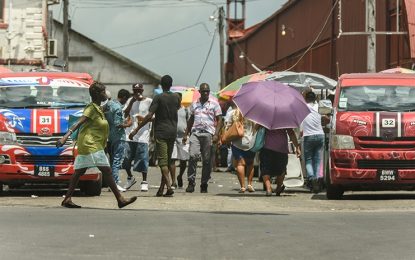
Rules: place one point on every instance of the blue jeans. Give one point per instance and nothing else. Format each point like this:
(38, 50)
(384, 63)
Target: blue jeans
(313, 149)
(117, 152)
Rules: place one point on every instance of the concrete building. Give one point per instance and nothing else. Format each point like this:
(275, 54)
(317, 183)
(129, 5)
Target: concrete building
(23, 34)
(104, 64)
(304, 35)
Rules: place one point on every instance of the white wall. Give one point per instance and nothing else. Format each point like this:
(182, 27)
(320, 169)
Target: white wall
(24, 39)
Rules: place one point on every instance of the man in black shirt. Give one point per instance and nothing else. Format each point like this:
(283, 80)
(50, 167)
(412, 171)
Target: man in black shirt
(164, 107)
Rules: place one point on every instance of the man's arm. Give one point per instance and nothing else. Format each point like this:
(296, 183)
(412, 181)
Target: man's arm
(146, 119)
(188, 128)
(129, 106)
(293, 138)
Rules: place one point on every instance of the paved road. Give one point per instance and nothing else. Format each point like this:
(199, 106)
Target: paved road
(223, 196)
(219, 225)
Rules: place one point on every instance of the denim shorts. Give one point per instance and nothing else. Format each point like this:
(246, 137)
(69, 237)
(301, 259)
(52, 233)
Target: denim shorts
(137, 152)
(239, 154)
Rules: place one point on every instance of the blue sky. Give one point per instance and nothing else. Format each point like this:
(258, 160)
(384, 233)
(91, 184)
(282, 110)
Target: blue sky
(139, 26)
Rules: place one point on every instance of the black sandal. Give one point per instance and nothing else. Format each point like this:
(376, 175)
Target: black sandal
(127, 202)
(278, 191)
(70, 205)
(169, 193)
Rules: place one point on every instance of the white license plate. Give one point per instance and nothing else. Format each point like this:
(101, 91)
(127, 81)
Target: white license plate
(388, 175)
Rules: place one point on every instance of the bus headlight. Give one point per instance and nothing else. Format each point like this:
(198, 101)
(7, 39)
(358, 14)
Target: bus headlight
(7, 138)
(342, 142)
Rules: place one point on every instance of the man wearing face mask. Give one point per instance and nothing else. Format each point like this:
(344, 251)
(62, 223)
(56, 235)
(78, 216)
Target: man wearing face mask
(137, 148)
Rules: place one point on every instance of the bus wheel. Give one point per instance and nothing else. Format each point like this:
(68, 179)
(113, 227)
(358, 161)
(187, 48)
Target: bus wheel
(333, 192)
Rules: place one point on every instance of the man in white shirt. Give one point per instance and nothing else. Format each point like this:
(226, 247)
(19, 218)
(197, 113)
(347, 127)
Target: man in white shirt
(313, 141)
(137, 149)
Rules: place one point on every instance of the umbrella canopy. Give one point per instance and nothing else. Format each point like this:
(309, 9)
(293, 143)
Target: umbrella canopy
(398, 70)
(231, 89)
(272, 104)
(303, 79)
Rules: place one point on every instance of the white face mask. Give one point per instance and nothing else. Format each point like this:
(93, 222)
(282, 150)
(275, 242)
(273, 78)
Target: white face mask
(103, 103)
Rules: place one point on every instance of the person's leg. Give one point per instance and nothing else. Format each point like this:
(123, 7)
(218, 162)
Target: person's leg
(106, 174)
(240, 170)
(281, 169)
(141, 164)
(194, 153)
(205, 149)
(129, 155)
(249, 166)
(182, 167)
(267, 183)
(172, 169)
(316, 158)
(308, 158)
(117, 150)
(67, 201)
(317, 154)
(163, 162)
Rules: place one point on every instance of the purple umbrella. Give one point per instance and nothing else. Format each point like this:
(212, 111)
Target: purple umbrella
(271, 104)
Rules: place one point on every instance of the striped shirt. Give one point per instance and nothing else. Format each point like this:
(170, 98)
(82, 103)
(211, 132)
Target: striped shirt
(205, 116)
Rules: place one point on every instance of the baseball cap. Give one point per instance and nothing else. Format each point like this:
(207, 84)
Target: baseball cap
(138, 86)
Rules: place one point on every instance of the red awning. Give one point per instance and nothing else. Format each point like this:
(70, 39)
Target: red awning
(410, 11)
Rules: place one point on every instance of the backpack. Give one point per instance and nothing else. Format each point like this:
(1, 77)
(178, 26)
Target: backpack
(259, 140)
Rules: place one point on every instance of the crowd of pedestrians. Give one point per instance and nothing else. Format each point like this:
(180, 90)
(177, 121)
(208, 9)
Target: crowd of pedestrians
(121, 129)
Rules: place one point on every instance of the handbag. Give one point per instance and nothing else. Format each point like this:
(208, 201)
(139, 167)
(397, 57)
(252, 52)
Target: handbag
(72, 120)
(234, 132)
(259, 140)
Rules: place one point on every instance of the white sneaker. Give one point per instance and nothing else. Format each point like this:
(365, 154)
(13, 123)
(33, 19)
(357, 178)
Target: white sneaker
(121, 189)
(144, 186)
(130, 183)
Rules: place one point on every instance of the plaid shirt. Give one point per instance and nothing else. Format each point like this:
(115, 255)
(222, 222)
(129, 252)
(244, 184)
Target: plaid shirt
(205, 116)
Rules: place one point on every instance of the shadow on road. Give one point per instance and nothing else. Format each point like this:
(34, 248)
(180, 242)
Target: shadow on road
(362, 196)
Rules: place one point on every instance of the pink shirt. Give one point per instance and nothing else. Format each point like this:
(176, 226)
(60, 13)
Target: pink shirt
(276, 140)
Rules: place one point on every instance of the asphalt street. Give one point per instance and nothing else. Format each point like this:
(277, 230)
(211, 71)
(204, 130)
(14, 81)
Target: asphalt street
(219, 225)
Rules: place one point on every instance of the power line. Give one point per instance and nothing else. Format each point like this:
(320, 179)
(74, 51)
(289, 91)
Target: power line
(207, 57)
(161, 36)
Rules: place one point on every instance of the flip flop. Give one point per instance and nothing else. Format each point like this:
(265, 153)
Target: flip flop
(127, 202)
(70, 205)
(279, 190)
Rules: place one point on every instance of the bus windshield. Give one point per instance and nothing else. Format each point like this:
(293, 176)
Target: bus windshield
(377, 98)
(43, 96)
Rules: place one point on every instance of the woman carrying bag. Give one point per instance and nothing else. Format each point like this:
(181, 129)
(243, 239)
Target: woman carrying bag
(243, 158)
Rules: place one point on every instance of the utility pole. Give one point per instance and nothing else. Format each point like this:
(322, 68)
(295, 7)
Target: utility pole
(371, 38)
(65, 34)
(221, 26)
